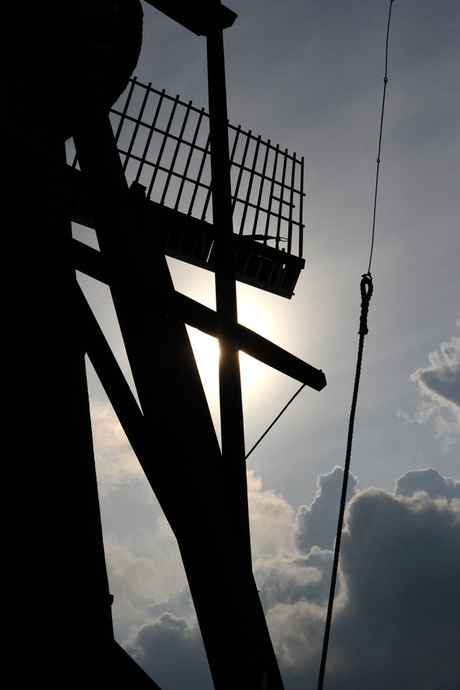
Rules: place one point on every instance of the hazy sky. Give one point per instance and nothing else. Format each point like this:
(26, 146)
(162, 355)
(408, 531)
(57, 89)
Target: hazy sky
(309, 76)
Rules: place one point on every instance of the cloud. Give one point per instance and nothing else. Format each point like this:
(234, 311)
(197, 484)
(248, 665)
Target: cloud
(171, 651)
(441, 380)
(396, 611)
(439, 384)
(146, 579)
(430, 481)
(290, 578)
(397, 623)
(316, 524)
(270, 519)
(115, 460)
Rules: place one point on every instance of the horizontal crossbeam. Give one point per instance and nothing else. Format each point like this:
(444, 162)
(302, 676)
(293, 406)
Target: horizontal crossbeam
(196, 15)
(89, 261)
(204, 319)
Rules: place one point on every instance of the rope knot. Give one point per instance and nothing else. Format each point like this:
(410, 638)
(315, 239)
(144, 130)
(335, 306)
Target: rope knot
(367, 289)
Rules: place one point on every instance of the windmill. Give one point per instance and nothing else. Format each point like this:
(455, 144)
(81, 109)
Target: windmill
(133, 193)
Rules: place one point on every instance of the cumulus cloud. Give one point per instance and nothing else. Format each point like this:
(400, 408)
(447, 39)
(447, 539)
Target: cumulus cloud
(397, 608)
(146, 579)
(396, 614)
(316, 524)
(171, 651)
(441, 380)
(270, 518)
(290, 578)
(397, 623)
(430, 481)
(439, 384)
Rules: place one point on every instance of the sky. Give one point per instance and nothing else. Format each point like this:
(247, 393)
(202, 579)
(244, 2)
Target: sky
(309, 76)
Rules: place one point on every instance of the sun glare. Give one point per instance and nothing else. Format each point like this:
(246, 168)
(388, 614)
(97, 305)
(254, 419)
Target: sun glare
(256, 310)
(206, 351)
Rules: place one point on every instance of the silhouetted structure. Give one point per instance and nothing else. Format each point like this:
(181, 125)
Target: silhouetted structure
(68, 60)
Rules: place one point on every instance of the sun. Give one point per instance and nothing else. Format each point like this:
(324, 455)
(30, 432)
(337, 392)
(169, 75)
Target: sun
(256, 310)
(206, 350)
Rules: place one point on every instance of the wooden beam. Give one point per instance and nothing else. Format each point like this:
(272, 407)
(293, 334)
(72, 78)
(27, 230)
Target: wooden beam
(191, 312)
(204, 319)
(196, 15)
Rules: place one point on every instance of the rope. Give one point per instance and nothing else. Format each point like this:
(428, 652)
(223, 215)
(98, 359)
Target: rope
(385, 82)
(366, 288)
(366, 294)
(382, 113)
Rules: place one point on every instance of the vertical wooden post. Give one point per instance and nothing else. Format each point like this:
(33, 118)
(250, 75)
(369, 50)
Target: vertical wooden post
(231, 406)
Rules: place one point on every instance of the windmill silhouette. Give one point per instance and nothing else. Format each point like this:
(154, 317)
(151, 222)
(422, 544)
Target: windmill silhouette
(154, 177)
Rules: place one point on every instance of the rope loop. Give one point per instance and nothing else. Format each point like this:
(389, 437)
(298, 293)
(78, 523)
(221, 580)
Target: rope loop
(367, 288)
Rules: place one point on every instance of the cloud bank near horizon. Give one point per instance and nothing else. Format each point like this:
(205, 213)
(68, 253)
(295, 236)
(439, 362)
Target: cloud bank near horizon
(397, 606)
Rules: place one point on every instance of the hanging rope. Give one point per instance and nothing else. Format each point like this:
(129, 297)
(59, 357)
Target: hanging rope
(382, 113)
(366, 294)
(366, 288)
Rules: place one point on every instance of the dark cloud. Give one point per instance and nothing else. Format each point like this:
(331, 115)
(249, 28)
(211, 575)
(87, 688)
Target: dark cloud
(397, 623)
(429, 480)
(171, 651)
(397, 608)
(316, 524)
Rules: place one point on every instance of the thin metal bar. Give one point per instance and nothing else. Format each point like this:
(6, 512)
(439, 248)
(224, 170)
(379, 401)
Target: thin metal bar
(175, 154)
(136, 129)
(272, 189)
(291, 204)
(250, 183)
(125, 107)
(240, 174)
(301, 193)
(261, 188)
(189, 158)
(197, 182)
(163, 145)
(232, 159)
(149, 136)
(235, 143)
(282, 185)
(252, 204)
(206, 202)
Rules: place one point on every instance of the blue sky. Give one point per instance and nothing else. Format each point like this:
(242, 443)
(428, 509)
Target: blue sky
(309, 76)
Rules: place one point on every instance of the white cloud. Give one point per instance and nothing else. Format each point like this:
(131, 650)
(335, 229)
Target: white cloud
(270, 518)
(439, 384)
(143, 575)
(115, 460)
(441, 380)
(297, 634)
(290, 578)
